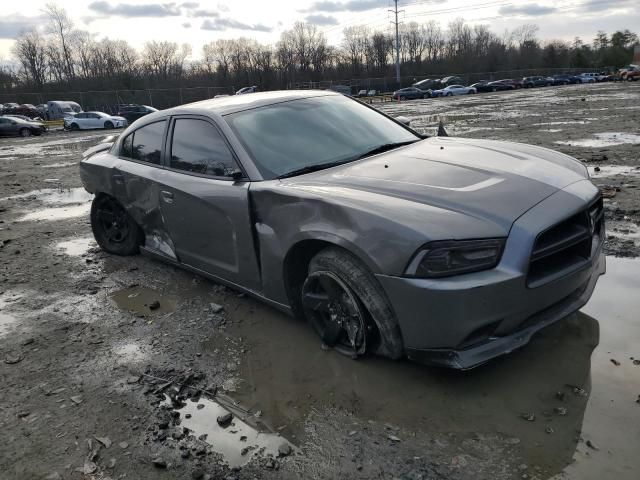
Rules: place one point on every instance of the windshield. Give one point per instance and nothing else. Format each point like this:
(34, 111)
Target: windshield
(289, 136)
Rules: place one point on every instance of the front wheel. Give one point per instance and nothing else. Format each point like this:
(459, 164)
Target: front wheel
(108, 125)
(348, 308)
(113, 228)
(25, 132)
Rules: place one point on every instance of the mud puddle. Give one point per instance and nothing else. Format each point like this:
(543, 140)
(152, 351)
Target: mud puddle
(58, 196)
(604, 139)
(60, 165)
(49, 148)
(238, 442)
(76, 247)
(613, 170)
(287, 375)
(144, 301)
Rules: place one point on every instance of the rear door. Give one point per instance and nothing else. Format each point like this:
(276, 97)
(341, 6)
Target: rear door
(205, 202)
(135, 183)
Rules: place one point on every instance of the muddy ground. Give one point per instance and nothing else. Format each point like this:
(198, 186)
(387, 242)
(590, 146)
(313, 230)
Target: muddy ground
(119, 367)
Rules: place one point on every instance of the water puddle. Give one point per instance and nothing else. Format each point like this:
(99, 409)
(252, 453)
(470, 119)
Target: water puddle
(76, 247)
(130, 352)
(550, 130)
(58, 196)
(144, 301)
(49, 148)
(605, 139)
(288, 375)
(56, 213)
(613, 170)
(238, 442)
(6, 321)
(60, 165)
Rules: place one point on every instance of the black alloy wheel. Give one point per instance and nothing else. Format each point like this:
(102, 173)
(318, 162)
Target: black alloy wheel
(335, 313)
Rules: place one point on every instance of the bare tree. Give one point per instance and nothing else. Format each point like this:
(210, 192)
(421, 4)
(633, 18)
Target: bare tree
(60, 26)
(30, 50)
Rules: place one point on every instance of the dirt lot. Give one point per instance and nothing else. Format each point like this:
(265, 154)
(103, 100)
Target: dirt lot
(119, 367)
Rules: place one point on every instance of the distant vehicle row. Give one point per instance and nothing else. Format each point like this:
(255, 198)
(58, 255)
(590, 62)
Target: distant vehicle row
(450, 86)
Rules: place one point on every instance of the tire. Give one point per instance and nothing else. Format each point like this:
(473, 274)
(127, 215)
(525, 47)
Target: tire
(113, 228)
(449, 94)
(494, 89)
(25, 132)
(108, 125)
(380, 330)
(74, 127)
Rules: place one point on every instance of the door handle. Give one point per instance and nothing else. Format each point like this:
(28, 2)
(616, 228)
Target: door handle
(167, 196)
(118, 179)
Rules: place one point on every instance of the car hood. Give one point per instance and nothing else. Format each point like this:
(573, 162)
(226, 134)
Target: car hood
(491, 180)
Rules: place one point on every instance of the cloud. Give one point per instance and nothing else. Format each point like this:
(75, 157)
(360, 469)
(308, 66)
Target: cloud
(204, 13)
(530, 10)
(222, 24)
(600, 5)
(142, 10)
(321, 20)
(348, 6)
(10, 29)
(189, 5)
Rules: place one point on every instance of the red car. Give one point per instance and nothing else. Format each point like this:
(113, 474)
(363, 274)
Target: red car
(514, 83)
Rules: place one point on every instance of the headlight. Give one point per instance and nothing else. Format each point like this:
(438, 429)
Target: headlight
(451, 257)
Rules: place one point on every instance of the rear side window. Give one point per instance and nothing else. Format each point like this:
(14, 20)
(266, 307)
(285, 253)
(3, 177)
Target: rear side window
(145, 144)
(198, 147)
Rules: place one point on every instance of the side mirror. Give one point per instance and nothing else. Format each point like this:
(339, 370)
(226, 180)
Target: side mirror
(237, 176)
(403, 120)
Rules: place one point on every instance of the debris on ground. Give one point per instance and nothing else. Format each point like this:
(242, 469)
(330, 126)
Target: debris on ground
(529, 417)
(592, 445)
(562, 411)
(615, 362)
(159, 462)
(225, 420)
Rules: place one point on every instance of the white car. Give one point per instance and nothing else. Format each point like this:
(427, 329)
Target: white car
(89, 120)
(453, 90)
(589, 77)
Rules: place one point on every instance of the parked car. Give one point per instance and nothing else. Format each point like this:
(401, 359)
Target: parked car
(482, 86)
(511, 81)
(26, 119)
(57, 109)
(500, 85)
(9, 106)
(330, 210)
(361, 93)
(372, 93)
(244, 90)
(410, 93)
(18, 126)
(89, 120)
(447, 81)
(588, 77)
(453, 90)
(566, 79)
(630, 73)
(132, 112)
(536, 81)
(428, 84)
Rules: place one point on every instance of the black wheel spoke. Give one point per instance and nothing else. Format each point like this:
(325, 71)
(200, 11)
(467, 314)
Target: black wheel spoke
(318, 302)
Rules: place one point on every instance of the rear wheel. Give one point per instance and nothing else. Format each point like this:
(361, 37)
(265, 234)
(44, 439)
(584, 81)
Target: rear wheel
(348, 308)
(113, 228)
(25, 132)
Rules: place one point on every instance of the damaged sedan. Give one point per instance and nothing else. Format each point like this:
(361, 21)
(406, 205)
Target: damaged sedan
(448, 251)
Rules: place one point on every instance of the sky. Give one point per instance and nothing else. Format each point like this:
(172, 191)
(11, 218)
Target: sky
(197, 22)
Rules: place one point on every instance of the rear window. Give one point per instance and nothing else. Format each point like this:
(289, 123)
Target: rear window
(145, 144)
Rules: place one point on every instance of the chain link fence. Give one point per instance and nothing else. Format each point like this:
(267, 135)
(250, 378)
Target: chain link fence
(108, 100)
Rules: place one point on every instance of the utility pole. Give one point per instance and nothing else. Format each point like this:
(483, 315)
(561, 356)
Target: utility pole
(397, 23)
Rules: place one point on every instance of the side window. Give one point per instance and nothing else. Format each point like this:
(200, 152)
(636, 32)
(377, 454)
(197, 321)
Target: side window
(198, 147)
(147, 143)
(127, 146)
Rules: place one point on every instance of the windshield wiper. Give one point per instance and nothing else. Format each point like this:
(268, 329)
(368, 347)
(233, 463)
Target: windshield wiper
(310, 168)
(385, 147)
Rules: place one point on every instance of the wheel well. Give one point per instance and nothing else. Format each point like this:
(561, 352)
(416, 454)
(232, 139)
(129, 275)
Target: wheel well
(296, 267)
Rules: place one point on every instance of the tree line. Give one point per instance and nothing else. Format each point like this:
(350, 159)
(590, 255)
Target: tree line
(63, 57)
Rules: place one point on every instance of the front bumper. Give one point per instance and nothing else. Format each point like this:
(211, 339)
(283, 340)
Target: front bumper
(464, 321)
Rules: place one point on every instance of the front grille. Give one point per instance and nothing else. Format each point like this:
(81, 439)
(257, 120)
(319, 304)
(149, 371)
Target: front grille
(567, 246)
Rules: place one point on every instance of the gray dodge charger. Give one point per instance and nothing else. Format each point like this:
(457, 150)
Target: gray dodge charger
(448, 251)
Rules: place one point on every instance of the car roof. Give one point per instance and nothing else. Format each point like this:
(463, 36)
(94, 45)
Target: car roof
(238, 103)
